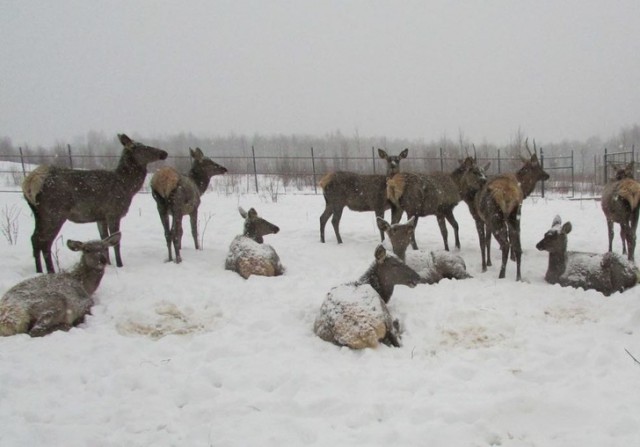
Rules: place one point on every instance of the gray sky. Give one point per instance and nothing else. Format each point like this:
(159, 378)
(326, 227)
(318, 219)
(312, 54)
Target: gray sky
(416, 69)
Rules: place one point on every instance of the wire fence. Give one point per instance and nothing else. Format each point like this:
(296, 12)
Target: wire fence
(300, 173)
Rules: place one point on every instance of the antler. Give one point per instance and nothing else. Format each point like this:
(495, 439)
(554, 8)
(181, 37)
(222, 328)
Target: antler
(475, 155)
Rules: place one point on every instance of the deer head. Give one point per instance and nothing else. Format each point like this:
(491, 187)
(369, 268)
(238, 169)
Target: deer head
(255, 227)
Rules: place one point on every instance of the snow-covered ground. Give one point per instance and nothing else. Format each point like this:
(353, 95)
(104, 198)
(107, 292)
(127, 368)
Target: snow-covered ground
(194, 355)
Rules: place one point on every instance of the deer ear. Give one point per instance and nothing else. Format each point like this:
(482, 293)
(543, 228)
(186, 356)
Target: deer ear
(382, 224)
(412, 221)
(242, 212)
(404, 153)
(487, 166)
(253, 213)
(124, 140)
(556, 221)
(382, 154)
(74, 245)
(566, 228)
(113, 239)
(196, 154)
(380, 253)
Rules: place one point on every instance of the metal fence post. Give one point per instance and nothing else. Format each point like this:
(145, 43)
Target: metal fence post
(441, 161)
(255, 171)
(542, 166)
(313, 167)
(573, 183)
(373, 158)
(24, 172)
(70, 158)
(499, 163)
(605, 165)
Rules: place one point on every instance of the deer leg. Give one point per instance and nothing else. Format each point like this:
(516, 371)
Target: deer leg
(487, 244)
(503, 239)
(443, 230)
(514, 242)
(380, 214)
(414, 244)
(335, 221)
(625, 235)
(114, 227)
(610, 233)
(193, 217)
(481, 240)
(176, 233)
(632, 233)
(46, 236)
(324, 217)
(396, 214)
(454, 224)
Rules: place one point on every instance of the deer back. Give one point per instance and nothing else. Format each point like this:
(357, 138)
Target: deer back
(423, 194)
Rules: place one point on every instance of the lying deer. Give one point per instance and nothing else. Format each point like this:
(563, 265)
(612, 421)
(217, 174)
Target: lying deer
(358, 192)
(607, 273)
(56, 195)
(621, 205)
(247, 254)
(177, 195)
(46, 303)
(437, 193)
(432, 266)
(499, 205)
(356, 314)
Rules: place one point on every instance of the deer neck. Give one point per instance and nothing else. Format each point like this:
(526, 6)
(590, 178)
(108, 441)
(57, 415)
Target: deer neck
(527, 183)
(135, 174)
(370, 277)
(556, 267)
(88, 277)
(200, 179)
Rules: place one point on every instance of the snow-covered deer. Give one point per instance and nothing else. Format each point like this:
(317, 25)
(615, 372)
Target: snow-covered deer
(436, 193)
(607, 273)
(432, 266)
(56, 195)
(621, 204)
(358, 192)
(177, 195)
(248, 255)
(356, 314)
(499, 205)
(46, 303)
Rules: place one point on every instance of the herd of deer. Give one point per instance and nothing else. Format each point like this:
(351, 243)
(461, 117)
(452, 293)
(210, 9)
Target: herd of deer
(61, 300)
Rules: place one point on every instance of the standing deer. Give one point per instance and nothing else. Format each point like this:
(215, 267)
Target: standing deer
(499, 205)
(437, 193)
(359, 192)
(607, 273)
(56, 195)
(46, 303)
(177, 195)
(620, 203)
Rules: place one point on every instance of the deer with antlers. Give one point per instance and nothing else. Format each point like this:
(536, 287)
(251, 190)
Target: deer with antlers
(499, 204)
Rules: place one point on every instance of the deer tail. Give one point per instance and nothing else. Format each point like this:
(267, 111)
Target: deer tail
(32, 183)
(629, 190)
(395, 188)
(328, 178)
(164, 181)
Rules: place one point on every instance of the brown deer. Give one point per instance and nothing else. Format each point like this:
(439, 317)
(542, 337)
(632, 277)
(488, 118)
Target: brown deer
(248, 254)
(40, 305)
(356, 314)
(359, 192)
(607, 273)
(499, 205)
(56, 195)
(620, 203)
(177, 195)
(437, 193)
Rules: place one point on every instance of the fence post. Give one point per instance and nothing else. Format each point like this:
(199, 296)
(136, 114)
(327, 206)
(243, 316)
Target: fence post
(441, 161)
(499, 163)
(255, 171)
(573, 185)
(542, 166)
(70, 159)
(373, 158)
(24, 172)
(605, 166)
(313, 168)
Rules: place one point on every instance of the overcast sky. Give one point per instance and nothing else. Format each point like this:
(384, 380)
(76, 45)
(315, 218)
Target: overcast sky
(556, 69)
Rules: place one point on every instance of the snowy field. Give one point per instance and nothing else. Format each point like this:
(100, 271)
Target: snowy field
(194, 355)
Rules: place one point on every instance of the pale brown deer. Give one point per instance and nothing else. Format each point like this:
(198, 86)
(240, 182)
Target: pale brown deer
(499, 205)
(621, 204)
(437, 193)
(607, 273)
(358, 192)
(56, 195)
(45, 303)
(177, 195)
